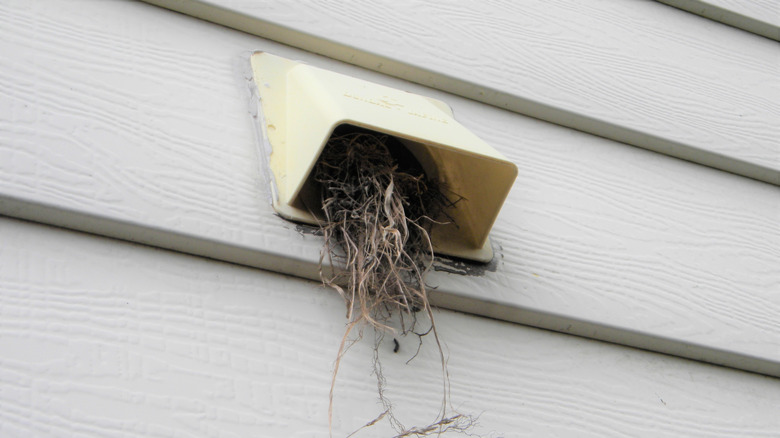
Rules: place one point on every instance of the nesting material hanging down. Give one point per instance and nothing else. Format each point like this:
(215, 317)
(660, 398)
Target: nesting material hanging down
(379, 208)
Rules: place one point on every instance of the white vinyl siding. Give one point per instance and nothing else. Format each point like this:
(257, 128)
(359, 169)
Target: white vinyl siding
(638, 72)
(761, 17)
(132, 121)
(101, 338)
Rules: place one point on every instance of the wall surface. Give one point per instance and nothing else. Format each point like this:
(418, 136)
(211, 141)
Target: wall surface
(641, 72)
(138, 127)
(761, 17)
(110, 339)
(130, 121)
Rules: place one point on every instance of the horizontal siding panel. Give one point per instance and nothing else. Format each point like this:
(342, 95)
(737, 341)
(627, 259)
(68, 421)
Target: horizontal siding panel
(108, 339)
(761, 17)
(137, 127)
(636, 72)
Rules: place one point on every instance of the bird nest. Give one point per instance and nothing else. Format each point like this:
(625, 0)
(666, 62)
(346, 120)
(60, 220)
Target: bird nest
(379, 208)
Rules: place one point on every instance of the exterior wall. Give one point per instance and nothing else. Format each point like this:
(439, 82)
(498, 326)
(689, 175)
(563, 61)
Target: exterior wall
(137, 127)
(110, 339)
(641, 73)
(761, 17)
(130, 121)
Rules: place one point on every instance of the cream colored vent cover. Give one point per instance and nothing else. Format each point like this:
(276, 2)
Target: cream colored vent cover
(302, 105)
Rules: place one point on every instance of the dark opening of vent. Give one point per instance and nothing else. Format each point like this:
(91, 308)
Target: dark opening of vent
(403, 159)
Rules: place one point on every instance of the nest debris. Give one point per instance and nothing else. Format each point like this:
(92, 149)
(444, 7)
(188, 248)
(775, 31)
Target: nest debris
(379, 208)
